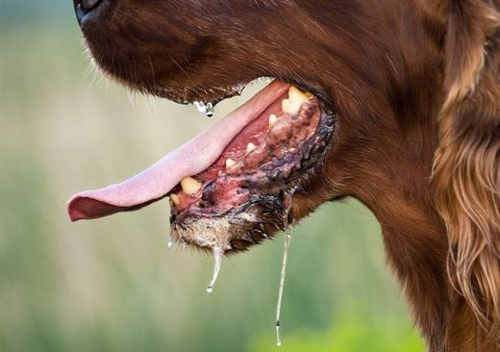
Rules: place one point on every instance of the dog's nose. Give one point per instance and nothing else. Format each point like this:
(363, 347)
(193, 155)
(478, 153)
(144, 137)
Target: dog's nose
(85, 7)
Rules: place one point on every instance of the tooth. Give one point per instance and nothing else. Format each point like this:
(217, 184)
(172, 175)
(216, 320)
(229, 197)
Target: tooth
(295, 99)
(230, 163)
(290, 107)
(250, 147)
(190, 185)
(296, 94)
(175, 199)
(285, 105)
(272, 120)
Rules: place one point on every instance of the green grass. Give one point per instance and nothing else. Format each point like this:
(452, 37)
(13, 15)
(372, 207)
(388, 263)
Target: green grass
(351, 332)
(111, 284)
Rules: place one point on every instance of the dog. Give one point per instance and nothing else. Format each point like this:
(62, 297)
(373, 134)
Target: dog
(394, 103)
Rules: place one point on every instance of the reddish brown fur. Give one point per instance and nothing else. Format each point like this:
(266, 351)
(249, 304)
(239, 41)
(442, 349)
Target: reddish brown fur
(410, 80)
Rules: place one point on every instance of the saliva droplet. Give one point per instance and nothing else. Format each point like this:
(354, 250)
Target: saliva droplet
(209, 109)
(170, 244)
(200, 106)
(218, 253)
(278, 342)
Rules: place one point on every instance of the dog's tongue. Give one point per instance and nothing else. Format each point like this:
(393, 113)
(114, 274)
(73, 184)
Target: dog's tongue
(189, 159)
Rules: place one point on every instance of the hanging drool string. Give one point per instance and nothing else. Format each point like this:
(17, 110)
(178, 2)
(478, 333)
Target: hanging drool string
(288, 225)
(218, 253)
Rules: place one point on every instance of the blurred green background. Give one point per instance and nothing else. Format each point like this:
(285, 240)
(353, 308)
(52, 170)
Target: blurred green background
(112, 284)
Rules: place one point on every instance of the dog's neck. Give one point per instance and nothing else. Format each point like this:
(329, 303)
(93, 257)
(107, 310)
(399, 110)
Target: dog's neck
(415, 239)
(417, 248)
(400, 195)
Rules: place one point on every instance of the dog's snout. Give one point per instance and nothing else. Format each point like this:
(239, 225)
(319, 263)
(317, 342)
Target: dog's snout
(85, 8)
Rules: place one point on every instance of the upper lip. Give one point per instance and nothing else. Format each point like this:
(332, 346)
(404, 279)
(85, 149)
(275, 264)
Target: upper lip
(214, 94)
(218, 94)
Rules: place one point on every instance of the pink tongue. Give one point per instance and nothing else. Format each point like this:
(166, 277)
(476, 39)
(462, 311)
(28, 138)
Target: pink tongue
(189, 159)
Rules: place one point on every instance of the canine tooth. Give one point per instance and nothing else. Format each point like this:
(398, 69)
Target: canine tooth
(272, 120)
(296, 94)
(230, 163)
(295, 99)
(288, 107)
(250, 147)
(175, 199)
(190, 185)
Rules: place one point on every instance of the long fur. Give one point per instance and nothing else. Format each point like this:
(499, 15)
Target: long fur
(467, 163)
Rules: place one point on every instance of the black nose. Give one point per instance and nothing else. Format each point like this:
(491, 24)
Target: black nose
(84, 8)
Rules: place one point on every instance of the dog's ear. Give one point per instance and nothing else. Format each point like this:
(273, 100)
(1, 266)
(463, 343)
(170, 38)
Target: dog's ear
(466, 175)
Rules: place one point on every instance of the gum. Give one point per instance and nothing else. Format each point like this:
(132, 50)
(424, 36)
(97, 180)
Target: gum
(224, 185)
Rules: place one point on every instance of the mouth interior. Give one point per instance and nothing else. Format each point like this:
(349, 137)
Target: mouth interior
(260, 158)
(260, 148)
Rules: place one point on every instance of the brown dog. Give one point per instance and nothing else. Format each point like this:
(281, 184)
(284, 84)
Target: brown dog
(402, 113)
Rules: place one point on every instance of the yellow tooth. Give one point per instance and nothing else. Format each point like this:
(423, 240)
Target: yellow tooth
(175, 199)
(290, 107)
(250, 147)
(230, 163)
(296, 94)
(295, 99)
(190, 185)
(272, 120)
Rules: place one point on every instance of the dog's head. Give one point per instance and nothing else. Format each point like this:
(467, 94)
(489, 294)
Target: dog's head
(340, 63)
(231, 186)
(352, 111)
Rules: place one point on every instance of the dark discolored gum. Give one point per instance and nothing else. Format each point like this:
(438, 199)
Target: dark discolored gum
(275, 157)
(281, 132)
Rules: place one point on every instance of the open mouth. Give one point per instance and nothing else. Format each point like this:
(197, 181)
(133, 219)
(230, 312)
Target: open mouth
(230, 187)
